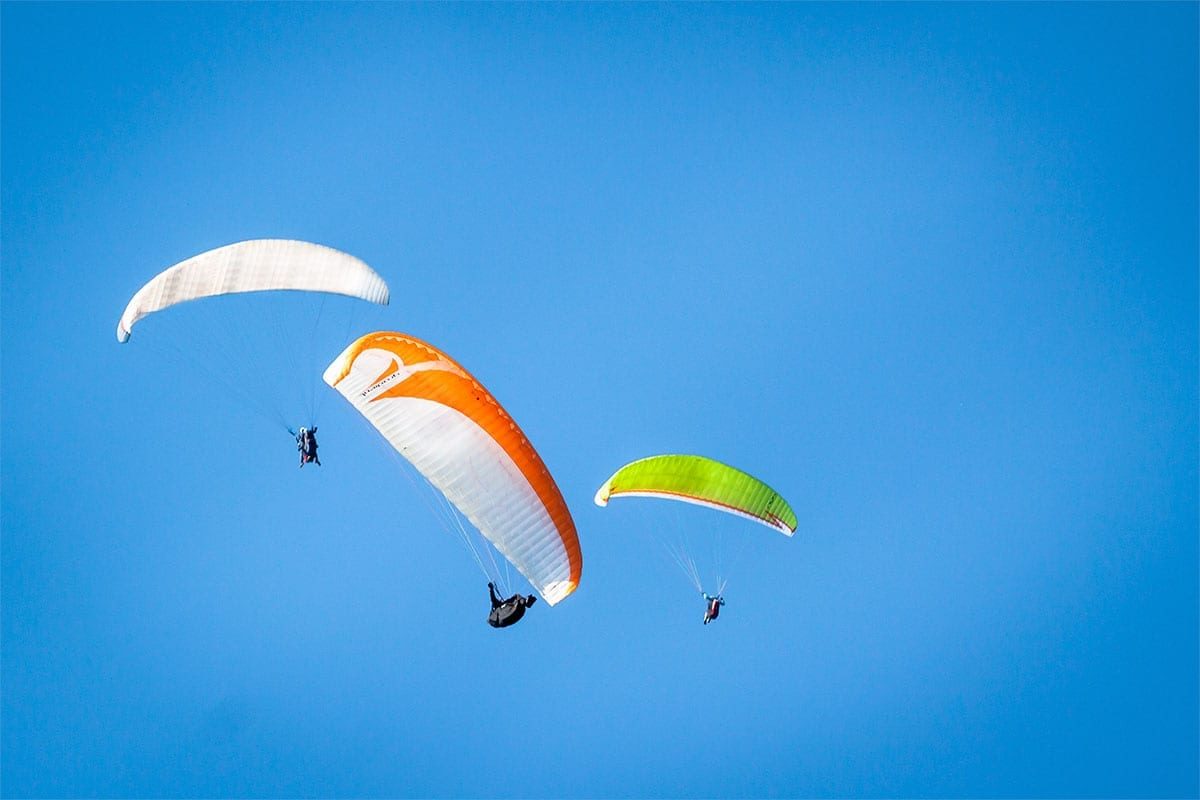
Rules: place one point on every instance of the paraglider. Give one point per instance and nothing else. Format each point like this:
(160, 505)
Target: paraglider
(705, 482)
(454, 433)
(257, 348)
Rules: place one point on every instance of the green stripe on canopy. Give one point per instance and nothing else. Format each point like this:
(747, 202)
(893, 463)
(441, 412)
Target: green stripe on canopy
(701, 480)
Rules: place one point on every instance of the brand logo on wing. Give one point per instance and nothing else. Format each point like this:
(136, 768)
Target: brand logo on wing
(398, 373)
(383, 383)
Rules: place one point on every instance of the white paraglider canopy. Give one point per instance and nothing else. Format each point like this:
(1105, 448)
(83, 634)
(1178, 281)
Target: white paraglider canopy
(258, 265)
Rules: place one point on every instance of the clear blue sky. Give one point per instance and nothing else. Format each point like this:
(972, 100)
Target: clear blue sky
(930, 270)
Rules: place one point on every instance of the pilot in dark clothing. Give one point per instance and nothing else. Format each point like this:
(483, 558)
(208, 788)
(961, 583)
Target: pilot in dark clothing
(508, 612)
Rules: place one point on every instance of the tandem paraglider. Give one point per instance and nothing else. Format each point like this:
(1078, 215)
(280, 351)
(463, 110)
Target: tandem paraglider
(251, 316)
(306, 443)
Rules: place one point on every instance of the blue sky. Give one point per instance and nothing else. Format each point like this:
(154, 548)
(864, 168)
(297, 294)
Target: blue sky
(929, 270)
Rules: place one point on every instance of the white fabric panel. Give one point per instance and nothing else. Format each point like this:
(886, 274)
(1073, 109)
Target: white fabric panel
(255, 266)
(468, 466)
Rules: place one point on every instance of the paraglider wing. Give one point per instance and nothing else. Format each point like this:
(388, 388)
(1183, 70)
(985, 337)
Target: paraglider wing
(258, 265)
(700, 480)
(436, 415)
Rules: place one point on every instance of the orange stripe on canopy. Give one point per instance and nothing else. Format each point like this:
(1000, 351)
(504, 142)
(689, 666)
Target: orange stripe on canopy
(456, 388)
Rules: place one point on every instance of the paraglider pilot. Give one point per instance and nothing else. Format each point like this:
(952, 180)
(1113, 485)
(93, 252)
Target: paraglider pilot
(306, 443)
(713, 609)
(507, 612)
